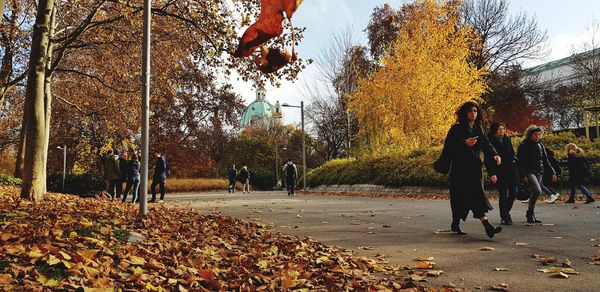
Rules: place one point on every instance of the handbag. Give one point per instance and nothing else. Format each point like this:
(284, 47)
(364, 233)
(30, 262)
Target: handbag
(523, 193)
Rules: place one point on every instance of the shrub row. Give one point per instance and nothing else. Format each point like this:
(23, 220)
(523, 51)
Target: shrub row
(416, 168)
(9, 180)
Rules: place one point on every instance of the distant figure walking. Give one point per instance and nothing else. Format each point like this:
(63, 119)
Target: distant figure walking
(291, 173)
(161, 169)
(123, 168)
(533, 163)
(232, 176)
(133, 179)
(245, 178)
(507, 173)
(112, 173)
(462, 147)
(547, 179)
(579, 170)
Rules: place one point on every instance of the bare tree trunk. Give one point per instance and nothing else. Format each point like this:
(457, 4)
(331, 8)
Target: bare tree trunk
(48, 88)
(1, 10)
(20, 164)
(36, 103)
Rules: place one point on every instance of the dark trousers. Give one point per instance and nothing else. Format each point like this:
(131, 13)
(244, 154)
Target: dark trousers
(115, 188)
(232, 185)
(133, 184)
(290, 184)
(581, 187)
(507, 196)
(161, 184)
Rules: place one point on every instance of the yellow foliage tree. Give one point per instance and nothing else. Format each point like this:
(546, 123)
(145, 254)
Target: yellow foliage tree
(410, 101)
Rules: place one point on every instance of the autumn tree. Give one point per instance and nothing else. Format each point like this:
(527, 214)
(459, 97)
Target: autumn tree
(93, 83)
(410, 101)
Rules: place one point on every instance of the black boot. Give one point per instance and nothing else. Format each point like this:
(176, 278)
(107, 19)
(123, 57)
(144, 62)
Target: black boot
(589, 199)
(531, 217)
(509, 219)
(490, 230)
(455, 227)
(505, 221)
(571, 200)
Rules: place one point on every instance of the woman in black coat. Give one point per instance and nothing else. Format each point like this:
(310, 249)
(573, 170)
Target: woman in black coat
(533, 163)
(578, 171)
(463, 144)
(507, 174)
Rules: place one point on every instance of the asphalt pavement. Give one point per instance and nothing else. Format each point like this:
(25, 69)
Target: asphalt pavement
(404, 230)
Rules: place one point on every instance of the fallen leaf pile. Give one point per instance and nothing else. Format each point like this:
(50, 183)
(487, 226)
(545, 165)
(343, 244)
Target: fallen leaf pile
(68, 243)
(557, 270)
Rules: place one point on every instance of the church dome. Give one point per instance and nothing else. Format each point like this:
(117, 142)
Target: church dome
(259, 112)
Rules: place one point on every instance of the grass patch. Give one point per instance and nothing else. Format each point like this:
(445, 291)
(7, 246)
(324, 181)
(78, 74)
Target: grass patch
(121, 235)
(56, 272)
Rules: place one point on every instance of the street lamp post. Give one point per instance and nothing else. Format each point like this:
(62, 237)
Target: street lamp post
(145, 107)
(301, 107)
(64, 149)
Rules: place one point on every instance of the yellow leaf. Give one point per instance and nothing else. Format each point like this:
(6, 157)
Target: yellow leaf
(263, 264)
(73, 234)
(135, 260)
(151, 287)
(35, 254)
(52, 283)
(52, 260)
(85, 222)
(65, 256)
(5, 279)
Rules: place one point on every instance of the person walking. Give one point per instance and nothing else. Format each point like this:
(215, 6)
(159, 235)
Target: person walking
(579, 170)
(245, 178)
(547, 179)
(232, 176)
(507, 174)
(533, 163)
(460, 156)
(161, 168)
(112, 173)
(291, 173)
(133, 179)
(123, 168)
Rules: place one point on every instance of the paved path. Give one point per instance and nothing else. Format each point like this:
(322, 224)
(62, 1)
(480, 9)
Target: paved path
(350, 222)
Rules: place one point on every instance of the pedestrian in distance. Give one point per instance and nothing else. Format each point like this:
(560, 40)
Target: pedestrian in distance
(112, 173)
(123, 168)
(533, 163)
(291, 173)
(461, 157)
(161, 171)
(547, 179)
(506, 173)
(245, 179)
(133, 179)
(579, 171)
(232, 176)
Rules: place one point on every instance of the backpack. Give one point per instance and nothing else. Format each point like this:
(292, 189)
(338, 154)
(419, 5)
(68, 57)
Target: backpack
(290, 170)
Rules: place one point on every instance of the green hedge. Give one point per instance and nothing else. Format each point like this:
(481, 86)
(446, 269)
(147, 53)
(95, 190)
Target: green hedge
(8, 180)
(416, 168)
(77, 184)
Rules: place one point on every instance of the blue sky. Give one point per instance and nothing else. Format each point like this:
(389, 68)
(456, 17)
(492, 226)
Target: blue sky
(564, 21)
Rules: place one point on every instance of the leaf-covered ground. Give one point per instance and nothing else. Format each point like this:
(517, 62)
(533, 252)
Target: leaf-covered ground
(72, 243)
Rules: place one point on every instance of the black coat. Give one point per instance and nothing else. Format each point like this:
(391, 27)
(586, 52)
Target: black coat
(533, 159)
(134, 169)
(466, 188)
(232, 174)
(244, 175)
(123, 167)
(160, 169)
(578, 169)
(507, 172)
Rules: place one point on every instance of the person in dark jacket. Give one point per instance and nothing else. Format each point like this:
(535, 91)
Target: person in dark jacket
(112, 173)
(291, 173)
(160, 176)
(245, 179)
(507, 174)
(123, 168)
(533, 163)
(578, 172)
(547, 179)
(463, 144)
(232, 176)
(133, 179)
